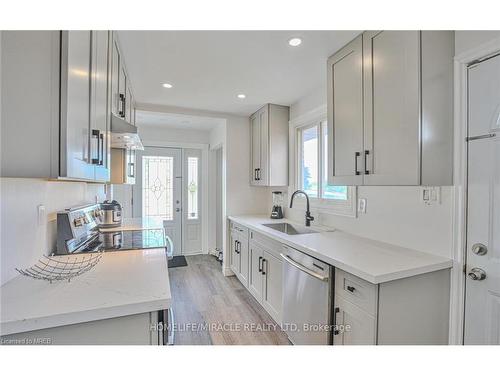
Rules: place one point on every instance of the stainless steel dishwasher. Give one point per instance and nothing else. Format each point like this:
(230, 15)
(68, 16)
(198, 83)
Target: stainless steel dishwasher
(307, 298)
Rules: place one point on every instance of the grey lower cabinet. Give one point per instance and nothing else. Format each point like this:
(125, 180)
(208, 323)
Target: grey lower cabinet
(255, 261)
(239, 253)
(390, 109)
(55, 108)
(137, 329)
(409, 311)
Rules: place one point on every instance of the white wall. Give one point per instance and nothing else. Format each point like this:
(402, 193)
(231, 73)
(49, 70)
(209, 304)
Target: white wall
(23, 240)
(170, 134)
(394, 214)
(466, 39)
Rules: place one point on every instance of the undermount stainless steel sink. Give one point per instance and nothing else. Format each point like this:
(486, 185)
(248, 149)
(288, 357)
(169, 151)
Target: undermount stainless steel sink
(289, 228)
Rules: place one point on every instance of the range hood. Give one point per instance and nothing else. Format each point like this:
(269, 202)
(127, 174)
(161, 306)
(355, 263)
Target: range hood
(124, 134)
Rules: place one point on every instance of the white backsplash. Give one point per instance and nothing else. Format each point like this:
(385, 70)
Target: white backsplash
(23, 238)
(396, 215)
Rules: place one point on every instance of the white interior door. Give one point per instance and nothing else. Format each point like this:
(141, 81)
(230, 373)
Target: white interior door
(192, 217)
(482, 299)
(158, 190)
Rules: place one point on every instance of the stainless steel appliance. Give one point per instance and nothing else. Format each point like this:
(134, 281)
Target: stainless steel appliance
(111, 214)
(78, 232)
(307, 298)
(277, 211)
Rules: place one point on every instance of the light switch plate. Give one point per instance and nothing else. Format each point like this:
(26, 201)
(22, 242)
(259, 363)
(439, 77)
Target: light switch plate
(430, 195)
(362, 205)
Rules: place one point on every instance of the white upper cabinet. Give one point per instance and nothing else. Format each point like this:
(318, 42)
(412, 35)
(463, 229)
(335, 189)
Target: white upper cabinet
(390, 109)
(345, 111)
(269, 146)
(100, 120)
(55, 118)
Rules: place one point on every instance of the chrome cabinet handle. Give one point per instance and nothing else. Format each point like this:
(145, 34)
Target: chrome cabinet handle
(356, 155)
(302, 268)
(477, 274)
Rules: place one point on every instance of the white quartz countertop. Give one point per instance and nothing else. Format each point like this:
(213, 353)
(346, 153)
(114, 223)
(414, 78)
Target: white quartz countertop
(136, 223)
(122, 283)
(373, 261)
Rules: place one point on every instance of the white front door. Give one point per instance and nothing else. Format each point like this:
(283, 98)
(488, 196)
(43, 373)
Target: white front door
(158, 190)
(482, 298)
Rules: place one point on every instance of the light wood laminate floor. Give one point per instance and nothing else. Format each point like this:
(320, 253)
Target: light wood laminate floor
(211, 309)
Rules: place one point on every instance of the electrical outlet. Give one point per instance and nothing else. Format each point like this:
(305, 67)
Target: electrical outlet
(362, 205)
(430, 195)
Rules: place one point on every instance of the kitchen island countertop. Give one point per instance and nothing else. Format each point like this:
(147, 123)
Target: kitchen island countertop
(122, 283)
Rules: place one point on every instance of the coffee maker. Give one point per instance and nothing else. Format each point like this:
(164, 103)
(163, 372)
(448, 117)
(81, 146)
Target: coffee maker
(277, 211)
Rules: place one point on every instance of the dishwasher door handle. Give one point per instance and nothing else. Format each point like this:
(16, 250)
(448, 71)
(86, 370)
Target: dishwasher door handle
(304, 269)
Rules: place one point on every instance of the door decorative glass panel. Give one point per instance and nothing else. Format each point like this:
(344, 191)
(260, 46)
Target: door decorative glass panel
(157, 187)
(192, 188)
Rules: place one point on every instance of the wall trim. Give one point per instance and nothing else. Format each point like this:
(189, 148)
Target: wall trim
(457, 297)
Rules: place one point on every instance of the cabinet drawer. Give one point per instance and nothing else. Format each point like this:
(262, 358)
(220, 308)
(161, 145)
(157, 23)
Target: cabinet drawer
(243, 231)
(358, 291)
(272, 246)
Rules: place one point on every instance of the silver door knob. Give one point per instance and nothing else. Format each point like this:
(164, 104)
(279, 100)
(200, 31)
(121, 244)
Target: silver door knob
(177, 210)
(477, 274)
(479, 249)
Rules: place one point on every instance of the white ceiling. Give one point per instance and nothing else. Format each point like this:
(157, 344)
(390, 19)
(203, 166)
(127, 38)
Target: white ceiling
(209, 68)
(174, 120)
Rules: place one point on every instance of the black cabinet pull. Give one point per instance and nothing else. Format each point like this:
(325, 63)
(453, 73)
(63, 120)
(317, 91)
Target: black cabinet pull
(336, 331)
(95, 147)
(264, 260)
(260, 264)
(351, 289)
(101, 142)
(367, 152)
(255, 174)
(122, 105)
(356, 155)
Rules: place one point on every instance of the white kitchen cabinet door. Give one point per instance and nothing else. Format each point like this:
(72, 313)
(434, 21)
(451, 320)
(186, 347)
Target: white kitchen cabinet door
(269, 146)
(244, 260)
(235, 256)
(255, 147)
(355, 326)
(255, 256)
(272, 291)
(345, 115)
(128, 102)
(115, 78)
(122, 90)
(99, 106)
(75, 158)
(392, 107)
(263, 173)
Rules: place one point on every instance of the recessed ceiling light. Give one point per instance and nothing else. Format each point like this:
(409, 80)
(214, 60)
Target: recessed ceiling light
(294, 42)
(167, 85)
(241, 96)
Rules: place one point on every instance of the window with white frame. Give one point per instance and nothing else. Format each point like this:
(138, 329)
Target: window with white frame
(312, 167)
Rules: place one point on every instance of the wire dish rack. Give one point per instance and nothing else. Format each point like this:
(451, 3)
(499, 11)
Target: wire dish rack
(55, 268)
